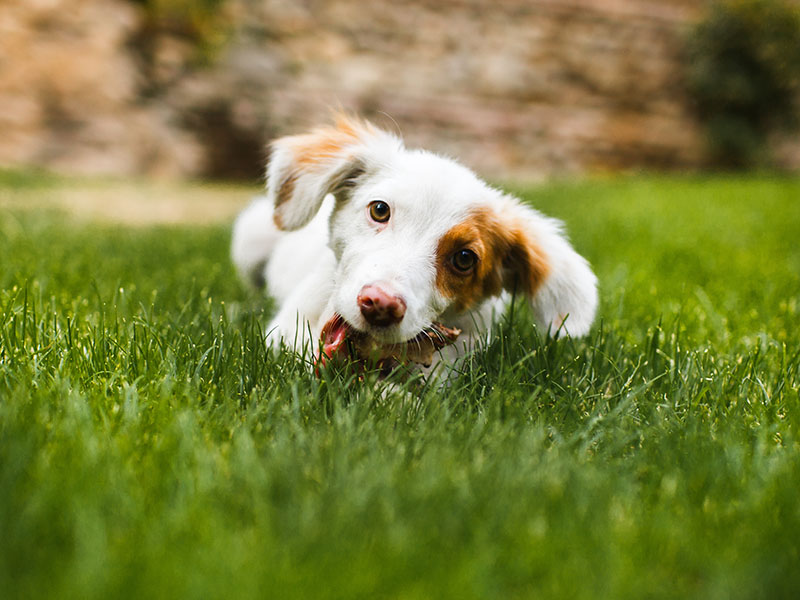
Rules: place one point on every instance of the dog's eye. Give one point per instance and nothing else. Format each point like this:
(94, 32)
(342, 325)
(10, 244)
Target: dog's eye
(379, 211)
(464, 260)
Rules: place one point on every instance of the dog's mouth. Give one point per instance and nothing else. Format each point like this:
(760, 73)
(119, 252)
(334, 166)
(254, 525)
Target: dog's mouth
(342, 341)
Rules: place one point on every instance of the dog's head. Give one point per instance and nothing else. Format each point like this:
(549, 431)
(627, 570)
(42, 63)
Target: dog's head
(417, 236)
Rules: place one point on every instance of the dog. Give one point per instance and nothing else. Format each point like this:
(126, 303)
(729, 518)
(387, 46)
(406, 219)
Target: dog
(375, 252)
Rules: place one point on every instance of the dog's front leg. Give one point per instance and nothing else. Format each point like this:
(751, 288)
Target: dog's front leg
(296, 323)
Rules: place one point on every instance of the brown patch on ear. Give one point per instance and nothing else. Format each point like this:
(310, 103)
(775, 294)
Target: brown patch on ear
(283, 195)
(508, 258)
(321, 162)
(285, 189)
(325, 143)
(526, 264)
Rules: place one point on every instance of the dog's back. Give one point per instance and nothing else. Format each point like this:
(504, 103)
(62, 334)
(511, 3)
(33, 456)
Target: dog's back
(265, 255)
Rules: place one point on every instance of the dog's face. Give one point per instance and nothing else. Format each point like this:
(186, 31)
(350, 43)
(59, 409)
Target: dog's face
(417, 236)
(404, 242)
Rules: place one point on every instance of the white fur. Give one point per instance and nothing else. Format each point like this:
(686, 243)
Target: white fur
(327, 248)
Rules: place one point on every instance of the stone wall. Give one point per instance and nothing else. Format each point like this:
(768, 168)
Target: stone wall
(69, 93)
(514, 88)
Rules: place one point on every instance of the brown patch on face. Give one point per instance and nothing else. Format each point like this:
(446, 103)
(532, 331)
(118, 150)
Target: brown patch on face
(508, 257)
(477, 234)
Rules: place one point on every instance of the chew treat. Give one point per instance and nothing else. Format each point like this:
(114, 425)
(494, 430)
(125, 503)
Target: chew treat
(339, 340)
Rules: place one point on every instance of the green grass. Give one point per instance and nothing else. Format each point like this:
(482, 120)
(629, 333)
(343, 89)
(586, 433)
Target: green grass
(150, 447)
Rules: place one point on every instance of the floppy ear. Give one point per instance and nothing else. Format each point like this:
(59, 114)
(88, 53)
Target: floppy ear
(542, 264)
(303, 169)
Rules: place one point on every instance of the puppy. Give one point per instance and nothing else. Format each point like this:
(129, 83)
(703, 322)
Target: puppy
(375, 252)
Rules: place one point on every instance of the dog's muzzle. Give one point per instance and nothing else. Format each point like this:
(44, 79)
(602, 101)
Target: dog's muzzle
(339, 340)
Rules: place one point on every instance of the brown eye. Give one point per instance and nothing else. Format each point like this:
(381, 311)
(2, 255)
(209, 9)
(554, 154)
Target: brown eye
(379, 211)
(464, 260)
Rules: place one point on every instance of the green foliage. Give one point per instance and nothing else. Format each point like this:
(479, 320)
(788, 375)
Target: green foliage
(206, 24)
(150, 446)
(744, 76)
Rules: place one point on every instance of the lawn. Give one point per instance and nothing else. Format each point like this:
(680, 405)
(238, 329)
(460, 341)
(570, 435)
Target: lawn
(151, 448)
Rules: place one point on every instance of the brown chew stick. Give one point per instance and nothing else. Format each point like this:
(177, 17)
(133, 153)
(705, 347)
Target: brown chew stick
(418, 350)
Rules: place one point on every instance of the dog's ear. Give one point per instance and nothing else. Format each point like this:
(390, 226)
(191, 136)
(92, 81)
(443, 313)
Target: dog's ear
(303, 169)
(541, 263)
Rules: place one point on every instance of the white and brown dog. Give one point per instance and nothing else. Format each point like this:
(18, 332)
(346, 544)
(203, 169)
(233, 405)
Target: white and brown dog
(374, 251)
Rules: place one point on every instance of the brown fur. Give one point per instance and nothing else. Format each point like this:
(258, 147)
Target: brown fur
(507, 258)
(286, 189)
(313, 150)
(325, 143)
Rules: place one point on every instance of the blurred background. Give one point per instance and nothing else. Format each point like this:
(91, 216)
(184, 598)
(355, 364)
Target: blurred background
(520, 89)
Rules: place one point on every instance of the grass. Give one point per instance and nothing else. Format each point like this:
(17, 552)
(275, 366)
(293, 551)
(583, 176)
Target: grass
(150, 447)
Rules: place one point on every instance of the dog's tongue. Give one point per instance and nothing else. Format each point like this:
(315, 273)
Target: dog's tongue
(333, 336)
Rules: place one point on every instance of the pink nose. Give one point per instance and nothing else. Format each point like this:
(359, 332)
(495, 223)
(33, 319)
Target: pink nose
(379, 307)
